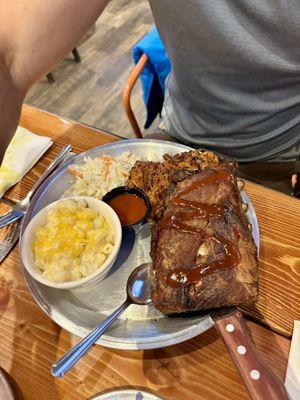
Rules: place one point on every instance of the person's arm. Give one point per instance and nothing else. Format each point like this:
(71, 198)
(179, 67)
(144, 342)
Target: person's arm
(34, 36)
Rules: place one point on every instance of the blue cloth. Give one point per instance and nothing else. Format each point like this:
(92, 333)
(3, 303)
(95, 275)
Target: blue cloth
(154, 74)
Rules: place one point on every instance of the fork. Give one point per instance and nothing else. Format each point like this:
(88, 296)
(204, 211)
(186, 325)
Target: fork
(12, 236)
(20, 208)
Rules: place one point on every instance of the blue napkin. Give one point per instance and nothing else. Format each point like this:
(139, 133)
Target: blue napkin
(154, 74)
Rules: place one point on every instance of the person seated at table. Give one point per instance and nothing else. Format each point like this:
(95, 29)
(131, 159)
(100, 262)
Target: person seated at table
(235, 82)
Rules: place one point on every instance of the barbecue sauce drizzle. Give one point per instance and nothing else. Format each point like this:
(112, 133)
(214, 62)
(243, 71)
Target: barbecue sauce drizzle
(184, 276)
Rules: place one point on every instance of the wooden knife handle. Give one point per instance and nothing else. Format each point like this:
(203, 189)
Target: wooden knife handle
(261, 382)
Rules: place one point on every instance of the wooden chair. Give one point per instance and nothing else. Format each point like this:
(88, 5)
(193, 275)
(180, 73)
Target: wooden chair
(127, 93)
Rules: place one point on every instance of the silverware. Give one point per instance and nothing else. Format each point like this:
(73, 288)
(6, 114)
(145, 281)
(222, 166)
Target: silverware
(261, 382)
(138, 290)
(20, 208)
(12, 236)
(90, 304)
(10, 240)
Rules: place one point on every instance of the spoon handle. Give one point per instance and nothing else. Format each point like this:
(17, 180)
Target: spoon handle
(66, 362)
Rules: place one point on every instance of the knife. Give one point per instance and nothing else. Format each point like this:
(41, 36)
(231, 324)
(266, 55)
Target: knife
(12, 236)
(261, 382)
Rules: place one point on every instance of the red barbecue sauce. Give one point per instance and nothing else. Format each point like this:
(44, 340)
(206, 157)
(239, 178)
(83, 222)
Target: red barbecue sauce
(130, 208)
(183, 276)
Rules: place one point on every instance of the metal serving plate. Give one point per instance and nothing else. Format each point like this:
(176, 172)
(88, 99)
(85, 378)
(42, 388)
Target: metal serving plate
(79, 310)
(126, 394)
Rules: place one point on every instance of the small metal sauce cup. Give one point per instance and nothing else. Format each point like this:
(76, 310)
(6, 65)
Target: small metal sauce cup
(126, 190)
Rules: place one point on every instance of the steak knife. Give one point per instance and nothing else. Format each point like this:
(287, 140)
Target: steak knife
(261, 382)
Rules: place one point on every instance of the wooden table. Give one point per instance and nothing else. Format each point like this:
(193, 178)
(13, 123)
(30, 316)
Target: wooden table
(197, 369)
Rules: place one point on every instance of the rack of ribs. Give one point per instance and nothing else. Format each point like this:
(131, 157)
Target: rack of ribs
(202, 248)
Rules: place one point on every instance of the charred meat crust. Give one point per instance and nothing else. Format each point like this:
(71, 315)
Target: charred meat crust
(158, 179)
(170, 248)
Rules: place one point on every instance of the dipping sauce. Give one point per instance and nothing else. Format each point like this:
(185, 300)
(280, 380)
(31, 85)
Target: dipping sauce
(130, 208)
(184, 276)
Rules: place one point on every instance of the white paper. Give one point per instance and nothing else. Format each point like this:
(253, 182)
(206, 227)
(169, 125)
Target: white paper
(23, 152)
(292, 378)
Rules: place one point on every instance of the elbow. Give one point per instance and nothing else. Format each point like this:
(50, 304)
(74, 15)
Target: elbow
(11, 100)
(20, 75)
(15, 70)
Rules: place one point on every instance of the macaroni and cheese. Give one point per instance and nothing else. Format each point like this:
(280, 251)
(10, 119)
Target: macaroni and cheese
(74, 242)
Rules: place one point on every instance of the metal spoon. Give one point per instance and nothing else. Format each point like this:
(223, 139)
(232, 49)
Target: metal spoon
(138, 292)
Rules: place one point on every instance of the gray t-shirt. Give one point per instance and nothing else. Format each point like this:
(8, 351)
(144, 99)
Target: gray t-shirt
(235, 81)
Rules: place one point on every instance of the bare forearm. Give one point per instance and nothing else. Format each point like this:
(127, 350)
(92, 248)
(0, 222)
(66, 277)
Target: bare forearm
(11, 99)
(34, 36)
(41, 32)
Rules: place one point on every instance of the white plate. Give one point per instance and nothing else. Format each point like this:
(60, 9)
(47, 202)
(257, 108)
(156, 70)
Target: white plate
(80, 310)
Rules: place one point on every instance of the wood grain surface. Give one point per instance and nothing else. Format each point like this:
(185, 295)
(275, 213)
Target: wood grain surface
(197, 369)
(279, 259)
(278, 217)
(91, 91)
(261, 381)
(62, 131)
